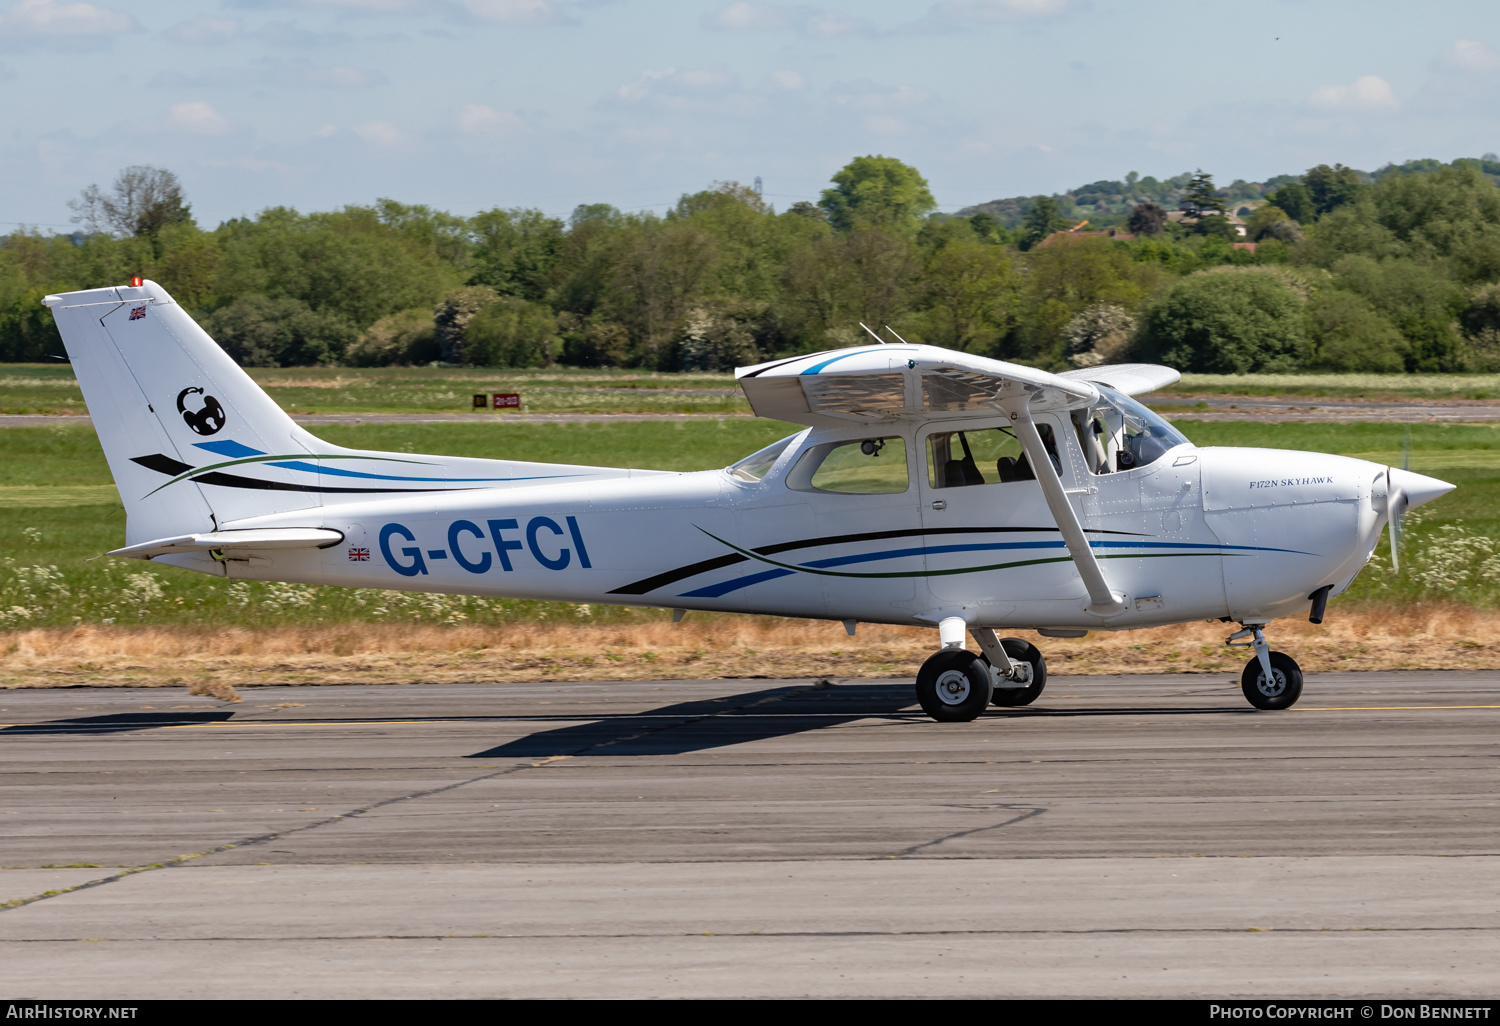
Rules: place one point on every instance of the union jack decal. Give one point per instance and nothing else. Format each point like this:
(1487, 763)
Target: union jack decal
(359, 555)
(138, 313)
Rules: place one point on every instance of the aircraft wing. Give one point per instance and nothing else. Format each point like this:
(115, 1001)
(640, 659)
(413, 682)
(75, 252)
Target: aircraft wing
(894, 382)
(1130, 378)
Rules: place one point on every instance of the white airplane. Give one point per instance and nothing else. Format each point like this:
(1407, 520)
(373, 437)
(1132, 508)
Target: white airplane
(930, 487)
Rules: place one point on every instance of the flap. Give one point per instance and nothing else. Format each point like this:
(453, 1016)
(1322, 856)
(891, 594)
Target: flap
(236, 541)
(891, 382)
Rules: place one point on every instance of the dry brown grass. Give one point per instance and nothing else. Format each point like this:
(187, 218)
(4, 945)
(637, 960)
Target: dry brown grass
(1410, 637)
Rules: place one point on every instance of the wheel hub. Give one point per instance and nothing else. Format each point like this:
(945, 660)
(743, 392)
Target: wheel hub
(1273, 687)
(953, 687)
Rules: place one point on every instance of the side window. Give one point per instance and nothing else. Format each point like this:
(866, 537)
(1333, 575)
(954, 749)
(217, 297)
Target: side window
(871, 466)
(956, 459)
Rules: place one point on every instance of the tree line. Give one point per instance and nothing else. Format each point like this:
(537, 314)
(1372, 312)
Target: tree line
(1394, 272)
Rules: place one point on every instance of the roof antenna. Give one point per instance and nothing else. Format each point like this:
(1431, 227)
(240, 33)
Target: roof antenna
(893, 332)
(876, 337)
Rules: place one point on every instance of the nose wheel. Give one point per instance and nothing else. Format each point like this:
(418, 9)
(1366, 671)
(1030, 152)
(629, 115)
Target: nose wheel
(1272, 680)
(1279, 691)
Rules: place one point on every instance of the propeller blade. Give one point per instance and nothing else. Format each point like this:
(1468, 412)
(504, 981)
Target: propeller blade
(1397, 504)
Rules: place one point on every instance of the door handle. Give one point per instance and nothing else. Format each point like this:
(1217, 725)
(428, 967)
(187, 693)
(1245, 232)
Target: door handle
(939, 504)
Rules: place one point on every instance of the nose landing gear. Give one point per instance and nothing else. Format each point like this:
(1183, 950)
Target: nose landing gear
(1272, 680)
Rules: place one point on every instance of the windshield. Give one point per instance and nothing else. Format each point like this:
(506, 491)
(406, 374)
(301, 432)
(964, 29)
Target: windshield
(758, 464)
(1146, 434)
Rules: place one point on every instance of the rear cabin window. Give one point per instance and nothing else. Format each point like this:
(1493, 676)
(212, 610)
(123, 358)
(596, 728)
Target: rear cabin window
(870, 466)
(957, 459)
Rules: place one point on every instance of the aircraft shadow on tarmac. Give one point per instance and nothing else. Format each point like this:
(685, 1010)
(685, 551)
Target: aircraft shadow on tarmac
(114, 723)
(758, 715)
(774, 712)
(713, 722)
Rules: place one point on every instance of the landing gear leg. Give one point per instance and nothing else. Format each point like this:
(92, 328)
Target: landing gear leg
(1272, 680)
(1017, 666)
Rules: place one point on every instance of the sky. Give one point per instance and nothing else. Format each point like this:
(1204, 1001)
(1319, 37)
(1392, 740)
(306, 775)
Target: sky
(466, 105)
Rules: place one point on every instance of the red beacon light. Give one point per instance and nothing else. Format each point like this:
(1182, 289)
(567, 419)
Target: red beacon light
(136, 282)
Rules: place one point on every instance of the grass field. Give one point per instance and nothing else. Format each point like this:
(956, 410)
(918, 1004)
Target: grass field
(34, 388)
(59, 512)
(37, 388)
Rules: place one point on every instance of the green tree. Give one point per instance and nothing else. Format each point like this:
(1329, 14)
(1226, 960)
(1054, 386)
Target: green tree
(258, 331)
(1297, 200)
(142, 201)
(1202, 196)
(1348, 334)
(1226, 322)
(516, 252)
(968, 287)
(1042, 219)
(452, 317)
(407, 337)
(1331, 187)
(877, 192)
(1419, 300)
(510, 333)
(1147, 219)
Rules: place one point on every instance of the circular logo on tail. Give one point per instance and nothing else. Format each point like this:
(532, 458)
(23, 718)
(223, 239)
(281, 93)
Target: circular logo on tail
(205, 421)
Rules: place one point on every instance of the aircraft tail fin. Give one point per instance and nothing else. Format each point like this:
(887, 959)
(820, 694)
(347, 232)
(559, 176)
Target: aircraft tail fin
(165, 399)
(196, 446)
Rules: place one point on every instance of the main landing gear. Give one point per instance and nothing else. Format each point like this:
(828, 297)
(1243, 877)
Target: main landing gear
(955, 685)
(1271, 680)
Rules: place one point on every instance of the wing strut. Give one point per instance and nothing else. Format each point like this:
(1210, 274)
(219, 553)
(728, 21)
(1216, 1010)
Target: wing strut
(1103, 601)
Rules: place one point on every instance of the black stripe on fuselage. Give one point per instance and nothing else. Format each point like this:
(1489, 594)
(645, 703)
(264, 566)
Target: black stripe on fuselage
(649, 584)
(164, 464)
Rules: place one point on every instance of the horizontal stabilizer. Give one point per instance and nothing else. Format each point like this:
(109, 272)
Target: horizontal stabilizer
(235, 541)
(1130, 378)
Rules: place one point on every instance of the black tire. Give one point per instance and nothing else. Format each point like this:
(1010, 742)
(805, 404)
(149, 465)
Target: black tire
(1282, 693)
(953, 686)
(1022, 652)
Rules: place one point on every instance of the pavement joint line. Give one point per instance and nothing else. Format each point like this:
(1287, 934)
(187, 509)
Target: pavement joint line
(643, 935)
(429, 792)
(1029, 813)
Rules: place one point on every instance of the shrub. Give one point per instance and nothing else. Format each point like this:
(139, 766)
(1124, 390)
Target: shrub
(261, 332)
(1240, 322)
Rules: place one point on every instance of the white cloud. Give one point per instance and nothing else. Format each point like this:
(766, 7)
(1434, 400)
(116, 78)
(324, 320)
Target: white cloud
(327, 131)
(298, 74)
(1469, 55)
(368, 5)
(787, 81)
(514, 12)
(742, 17)
(1367, 93)
(999, 10)
(810, 21)
(478, 119)
(692, 89)
(197, 117)
(49, 18)
(204, 31)
(381, 133)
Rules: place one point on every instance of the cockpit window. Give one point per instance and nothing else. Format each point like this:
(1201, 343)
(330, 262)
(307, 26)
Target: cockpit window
(757, 465)
(870, 466)
(1119, 433)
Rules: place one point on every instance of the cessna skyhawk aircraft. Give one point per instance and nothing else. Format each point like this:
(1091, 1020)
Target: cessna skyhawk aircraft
(929, 487)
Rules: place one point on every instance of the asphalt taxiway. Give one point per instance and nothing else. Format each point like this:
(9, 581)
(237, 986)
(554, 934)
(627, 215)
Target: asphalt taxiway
(1128, 836)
